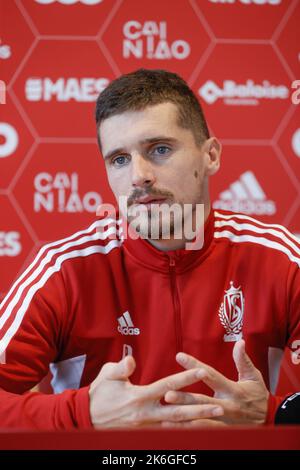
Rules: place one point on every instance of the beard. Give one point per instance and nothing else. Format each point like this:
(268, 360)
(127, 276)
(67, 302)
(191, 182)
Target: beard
(163, 220)
(176, 221)
(157, 221)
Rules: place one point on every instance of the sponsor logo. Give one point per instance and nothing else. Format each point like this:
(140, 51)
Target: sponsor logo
(10, 244)
(248, 93)
(64, 89)
(296, 142)
(150, 40)
(231, 313)
(126, 326)
(69, 2)
(248, 2)
(60, 193)
(11, 139)
(246, 195)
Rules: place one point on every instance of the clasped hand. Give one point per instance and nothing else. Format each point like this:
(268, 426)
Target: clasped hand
(116, 402)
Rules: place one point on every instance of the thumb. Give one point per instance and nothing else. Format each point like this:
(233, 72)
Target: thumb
(243, 363)
(121, 370)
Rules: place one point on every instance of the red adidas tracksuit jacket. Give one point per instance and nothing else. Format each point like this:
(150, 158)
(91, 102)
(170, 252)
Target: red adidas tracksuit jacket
(93, 297)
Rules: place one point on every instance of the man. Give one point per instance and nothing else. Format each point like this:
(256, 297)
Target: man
(154, 327)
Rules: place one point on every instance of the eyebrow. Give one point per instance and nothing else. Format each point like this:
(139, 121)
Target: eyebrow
(150, 140)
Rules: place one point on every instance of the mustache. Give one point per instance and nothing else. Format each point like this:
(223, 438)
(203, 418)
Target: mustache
(138, 193)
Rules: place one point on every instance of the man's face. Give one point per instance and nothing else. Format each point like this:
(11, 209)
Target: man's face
(151, 160)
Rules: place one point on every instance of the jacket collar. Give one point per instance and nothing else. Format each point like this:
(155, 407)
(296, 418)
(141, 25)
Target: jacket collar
(147, 255)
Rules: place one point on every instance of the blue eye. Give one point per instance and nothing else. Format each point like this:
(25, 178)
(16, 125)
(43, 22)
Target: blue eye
(119, 161)
(162, 149)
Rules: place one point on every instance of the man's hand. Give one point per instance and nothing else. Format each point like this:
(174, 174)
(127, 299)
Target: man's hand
(243, 402)
(116, 402)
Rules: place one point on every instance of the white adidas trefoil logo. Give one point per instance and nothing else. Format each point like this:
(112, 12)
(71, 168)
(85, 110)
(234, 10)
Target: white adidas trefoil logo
(245, 195)
(126, 326)
(231, 313)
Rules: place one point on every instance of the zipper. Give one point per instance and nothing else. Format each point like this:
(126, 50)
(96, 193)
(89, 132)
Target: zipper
(176, 304)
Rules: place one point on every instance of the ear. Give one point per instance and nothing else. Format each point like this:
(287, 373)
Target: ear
(212, 155)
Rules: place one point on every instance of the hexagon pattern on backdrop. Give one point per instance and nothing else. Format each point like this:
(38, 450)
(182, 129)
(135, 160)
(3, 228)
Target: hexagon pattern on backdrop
(239, 56)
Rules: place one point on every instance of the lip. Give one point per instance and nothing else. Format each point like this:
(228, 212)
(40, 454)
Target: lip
(150, 200)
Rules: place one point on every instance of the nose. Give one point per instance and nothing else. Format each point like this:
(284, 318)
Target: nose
(142, 172)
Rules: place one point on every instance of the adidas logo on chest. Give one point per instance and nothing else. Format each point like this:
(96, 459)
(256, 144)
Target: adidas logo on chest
(126, 326)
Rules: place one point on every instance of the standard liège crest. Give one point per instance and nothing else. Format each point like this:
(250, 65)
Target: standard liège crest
(231, 313)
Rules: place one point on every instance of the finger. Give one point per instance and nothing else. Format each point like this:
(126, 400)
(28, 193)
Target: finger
(159, 388)
(191, 412)
(219, 383)
(197, 423)
(178, 413)
(189, 362)
(212, 377)
(243, 363)
(230, 408)
(118, 370)
(186, 398)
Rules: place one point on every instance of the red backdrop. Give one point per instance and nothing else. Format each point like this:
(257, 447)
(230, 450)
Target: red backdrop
(239, 56)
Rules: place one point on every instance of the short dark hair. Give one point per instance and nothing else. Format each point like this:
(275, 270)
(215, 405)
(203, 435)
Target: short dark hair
(143, 87)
